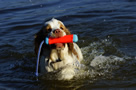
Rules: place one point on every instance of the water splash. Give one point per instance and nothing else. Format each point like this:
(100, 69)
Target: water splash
(99, 64)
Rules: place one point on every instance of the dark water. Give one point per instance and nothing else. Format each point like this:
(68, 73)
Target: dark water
(107, 37)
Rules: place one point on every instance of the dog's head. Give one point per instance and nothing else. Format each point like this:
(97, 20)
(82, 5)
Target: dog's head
(53, 28)
(56, 28)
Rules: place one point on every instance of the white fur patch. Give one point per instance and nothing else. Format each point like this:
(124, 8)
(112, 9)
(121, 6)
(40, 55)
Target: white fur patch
(54, 24)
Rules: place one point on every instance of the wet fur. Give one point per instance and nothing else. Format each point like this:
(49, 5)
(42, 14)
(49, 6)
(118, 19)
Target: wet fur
(52, 58)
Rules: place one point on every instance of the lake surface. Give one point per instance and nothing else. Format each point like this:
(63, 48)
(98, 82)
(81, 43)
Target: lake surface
(107, 38)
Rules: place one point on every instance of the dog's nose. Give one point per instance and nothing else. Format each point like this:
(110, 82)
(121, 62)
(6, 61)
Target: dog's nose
(56, 31)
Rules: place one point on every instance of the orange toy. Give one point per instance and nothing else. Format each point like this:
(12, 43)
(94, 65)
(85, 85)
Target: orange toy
(64, 39)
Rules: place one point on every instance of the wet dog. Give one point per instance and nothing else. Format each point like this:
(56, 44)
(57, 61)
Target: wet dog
(60, 56)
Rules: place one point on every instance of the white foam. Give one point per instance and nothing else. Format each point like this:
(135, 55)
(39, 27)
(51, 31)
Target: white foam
(96, 64)
(102, 60)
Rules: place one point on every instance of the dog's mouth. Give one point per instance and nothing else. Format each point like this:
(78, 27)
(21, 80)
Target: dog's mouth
(60, 45)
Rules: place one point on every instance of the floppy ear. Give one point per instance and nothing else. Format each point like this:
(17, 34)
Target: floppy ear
(39, 37)
(67, 31)
(71, 45)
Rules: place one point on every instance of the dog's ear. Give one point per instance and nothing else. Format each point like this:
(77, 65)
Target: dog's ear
(72, 49)
(71, 45)
(67, 31)
(39, 37)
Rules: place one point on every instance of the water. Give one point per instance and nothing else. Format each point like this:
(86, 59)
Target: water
(107, 37)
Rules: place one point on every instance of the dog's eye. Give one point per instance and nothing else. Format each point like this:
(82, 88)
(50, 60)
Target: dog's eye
(62, 28)
(48, 30)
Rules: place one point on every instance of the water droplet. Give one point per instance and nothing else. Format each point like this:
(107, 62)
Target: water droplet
(41, 5)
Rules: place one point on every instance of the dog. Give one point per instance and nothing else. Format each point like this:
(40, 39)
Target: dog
(60, 56)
